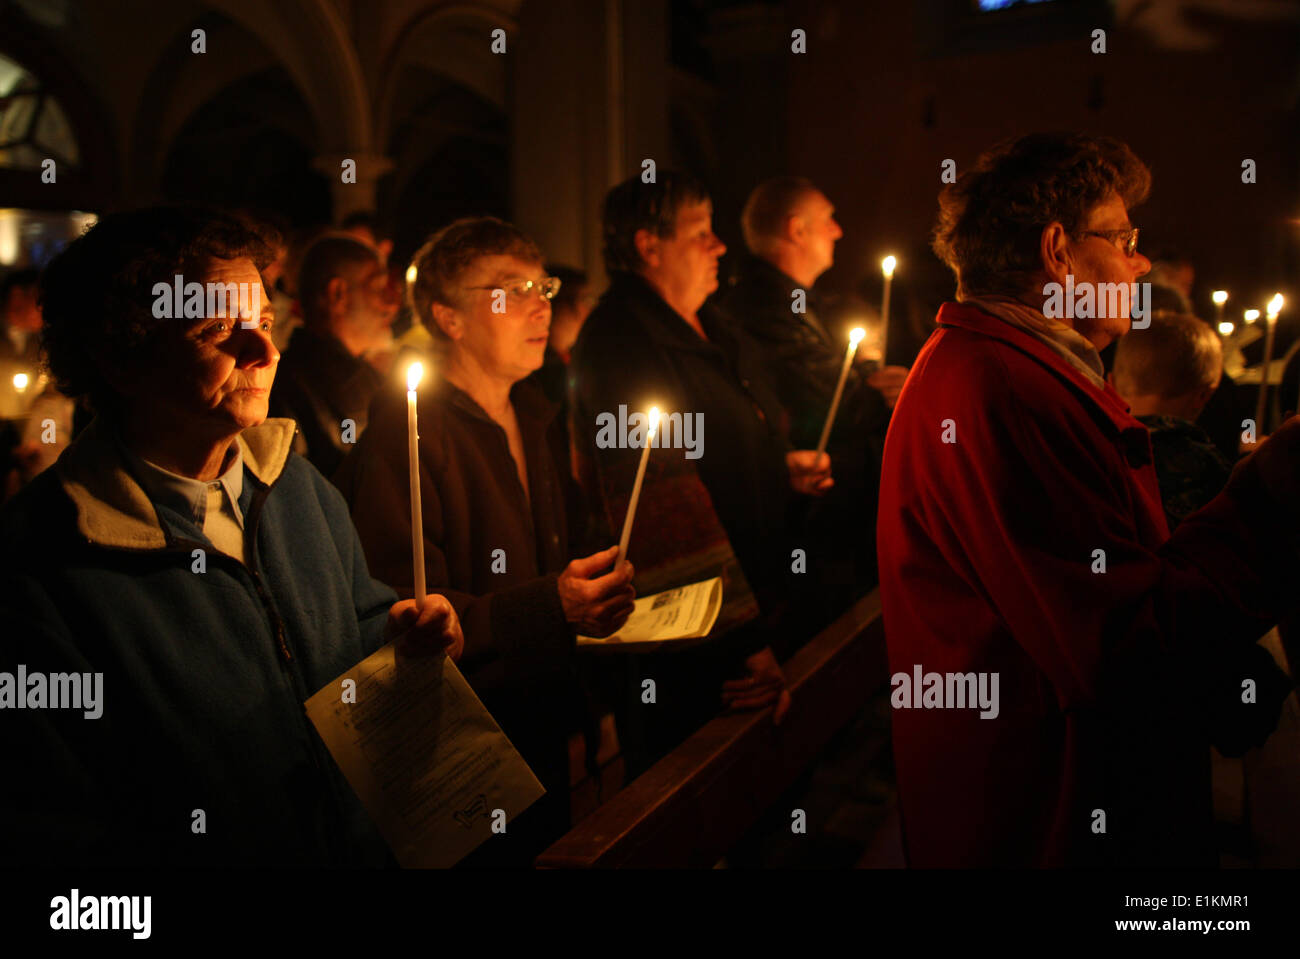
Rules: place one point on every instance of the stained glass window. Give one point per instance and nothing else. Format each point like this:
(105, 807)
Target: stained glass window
(33, 127)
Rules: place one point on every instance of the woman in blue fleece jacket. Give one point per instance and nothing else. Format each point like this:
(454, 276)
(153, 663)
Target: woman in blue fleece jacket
(179, 550)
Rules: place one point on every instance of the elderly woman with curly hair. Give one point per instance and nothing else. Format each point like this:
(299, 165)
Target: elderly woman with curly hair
(188, 572)
(1058, 657)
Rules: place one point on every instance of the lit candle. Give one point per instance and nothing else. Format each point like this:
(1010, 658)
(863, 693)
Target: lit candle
(855, 338)
(20, 382)
(1250, 316)
(1274, 308)
(1220, 297)
(413, 374)
(887, 267)
(1225, 328)
(636, 488)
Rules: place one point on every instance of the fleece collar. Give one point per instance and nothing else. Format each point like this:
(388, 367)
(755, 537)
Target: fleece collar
(112, 507)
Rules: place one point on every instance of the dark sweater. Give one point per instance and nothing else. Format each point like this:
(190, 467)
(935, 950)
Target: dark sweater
(320, 384)
(495, 553)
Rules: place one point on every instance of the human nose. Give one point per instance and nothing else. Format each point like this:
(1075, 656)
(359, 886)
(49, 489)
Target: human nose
(1141, 265)
(836, 231)
(258, 350)
(719, 248)
(540, 306)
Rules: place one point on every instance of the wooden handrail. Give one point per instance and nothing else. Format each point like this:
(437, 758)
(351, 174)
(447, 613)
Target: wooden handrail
(694, 804)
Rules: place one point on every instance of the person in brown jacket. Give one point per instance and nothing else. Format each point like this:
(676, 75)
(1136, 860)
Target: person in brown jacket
(493, 480)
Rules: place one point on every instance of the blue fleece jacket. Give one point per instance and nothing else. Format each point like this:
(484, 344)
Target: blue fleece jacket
(204, 673)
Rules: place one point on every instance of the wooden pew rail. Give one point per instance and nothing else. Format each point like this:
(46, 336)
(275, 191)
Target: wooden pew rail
(697, 802)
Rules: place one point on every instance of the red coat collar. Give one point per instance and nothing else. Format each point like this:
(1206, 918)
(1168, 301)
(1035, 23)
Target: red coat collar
(975, 320)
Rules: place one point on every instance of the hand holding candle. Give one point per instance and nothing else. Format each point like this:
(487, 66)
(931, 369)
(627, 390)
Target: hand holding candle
(855, 338)
(636, 487)
(413, 375)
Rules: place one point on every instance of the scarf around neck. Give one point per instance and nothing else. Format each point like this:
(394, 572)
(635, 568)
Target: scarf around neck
(1073, 346)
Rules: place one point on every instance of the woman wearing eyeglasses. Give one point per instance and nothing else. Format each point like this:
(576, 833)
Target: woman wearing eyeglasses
(494, 478)
(1022, 537)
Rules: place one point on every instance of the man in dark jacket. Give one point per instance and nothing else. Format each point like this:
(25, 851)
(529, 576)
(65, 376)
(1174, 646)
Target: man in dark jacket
(197, 579)
(720, 508)
(493, 482)
(790, 230)
(325, 383)
(1023, 546)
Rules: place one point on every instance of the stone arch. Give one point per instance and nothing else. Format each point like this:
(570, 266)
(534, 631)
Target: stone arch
(476, 69)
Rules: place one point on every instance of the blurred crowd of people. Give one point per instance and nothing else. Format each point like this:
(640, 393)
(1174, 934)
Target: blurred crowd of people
(278, 443)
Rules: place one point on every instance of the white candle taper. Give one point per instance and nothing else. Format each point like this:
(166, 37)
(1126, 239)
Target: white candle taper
(887, 266)
(636, 488)
(1274, 308)
(413, 374)
(854, 339)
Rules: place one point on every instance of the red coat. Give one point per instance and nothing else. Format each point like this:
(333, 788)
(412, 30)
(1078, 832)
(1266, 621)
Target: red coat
(986, 549)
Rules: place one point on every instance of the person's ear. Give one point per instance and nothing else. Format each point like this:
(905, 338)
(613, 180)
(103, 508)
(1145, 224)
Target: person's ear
(336, 296)
(647, 245)
(448, 320)
(795, 229)
(1054, 251)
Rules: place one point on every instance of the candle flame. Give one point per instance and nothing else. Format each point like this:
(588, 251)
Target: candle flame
(1251, 316)
(414, 373)
(654, 420)
(1226, 328)
(1220, 297)
(856, 335)
(20, 381)
(1275, 306)
(411, 274)
(887, 265)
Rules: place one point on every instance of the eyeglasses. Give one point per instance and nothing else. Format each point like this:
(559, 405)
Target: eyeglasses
(519, 290)
(1130, 238)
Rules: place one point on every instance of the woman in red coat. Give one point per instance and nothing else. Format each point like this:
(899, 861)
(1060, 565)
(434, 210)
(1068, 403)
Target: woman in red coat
(1050, 641)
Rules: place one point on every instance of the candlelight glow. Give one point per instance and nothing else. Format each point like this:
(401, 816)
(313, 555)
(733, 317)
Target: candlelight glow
(1220, 297)
(1275, 306)
(414, 373)
(856, 335)
(654, 420)
(1251, 316)
(1226, 328)
(887, 265)
(411, 273)
(20, 382)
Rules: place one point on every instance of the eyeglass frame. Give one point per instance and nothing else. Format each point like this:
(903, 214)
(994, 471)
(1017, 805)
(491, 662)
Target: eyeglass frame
(1130, 244)
(527, 286)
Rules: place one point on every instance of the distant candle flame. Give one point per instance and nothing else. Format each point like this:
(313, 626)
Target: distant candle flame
(654, 420)
(888, 264)
(414, 373)
(411, 274)
(1220, 297)
(1226, 328)
(1251, 316)
(1275, 306)
(856, 335)
(20, 382)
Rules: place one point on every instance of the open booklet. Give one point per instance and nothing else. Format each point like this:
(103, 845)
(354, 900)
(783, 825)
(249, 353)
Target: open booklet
(428, 761)
(687, 612)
